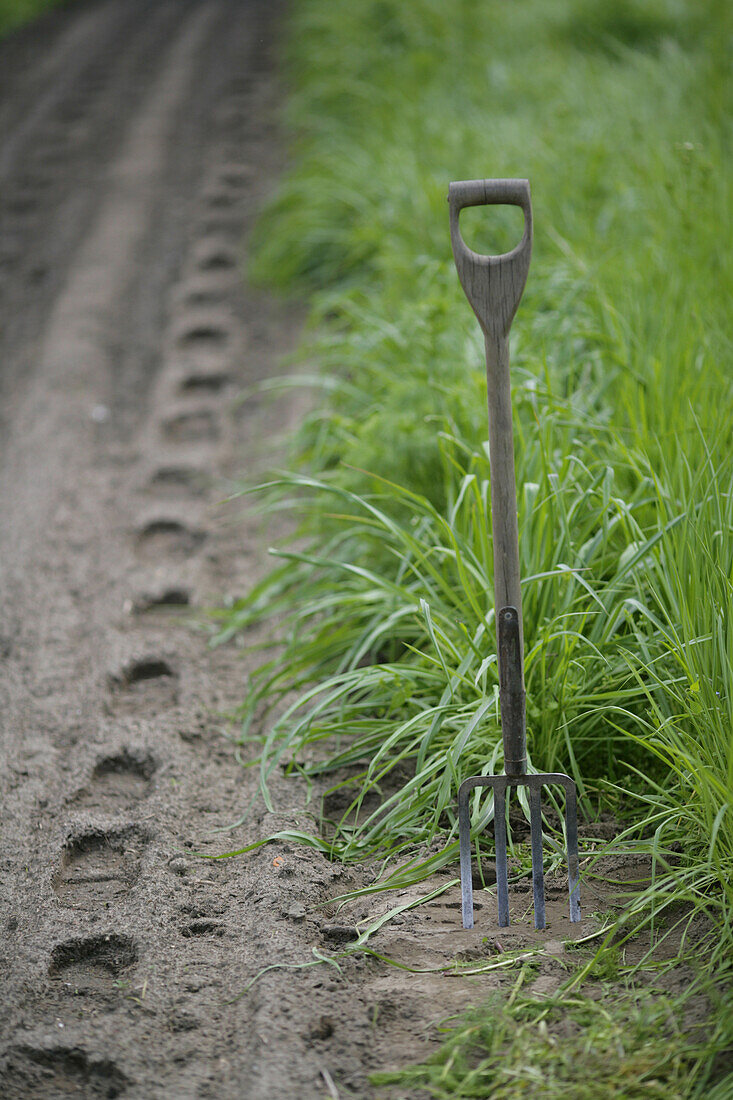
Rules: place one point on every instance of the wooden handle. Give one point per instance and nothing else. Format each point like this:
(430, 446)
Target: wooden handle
(504, 524)
(492, 284)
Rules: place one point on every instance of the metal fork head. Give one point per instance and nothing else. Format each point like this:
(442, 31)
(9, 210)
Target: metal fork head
(500, 784)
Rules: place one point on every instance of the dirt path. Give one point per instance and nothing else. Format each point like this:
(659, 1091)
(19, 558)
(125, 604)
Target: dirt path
(135, 145)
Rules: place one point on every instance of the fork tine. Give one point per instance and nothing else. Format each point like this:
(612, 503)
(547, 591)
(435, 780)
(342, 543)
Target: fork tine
(571, 833)
(538, 875)
(502, 871)
(500, 785)
(464, 844)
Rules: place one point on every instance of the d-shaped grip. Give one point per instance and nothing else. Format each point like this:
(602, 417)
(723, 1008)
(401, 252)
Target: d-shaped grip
(492, 284)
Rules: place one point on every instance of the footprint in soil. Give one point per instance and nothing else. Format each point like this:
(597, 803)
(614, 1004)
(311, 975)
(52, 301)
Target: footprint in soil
(149, 683)
(223, 193)
(213, 255)
(169, 538)
(61, 1071)
(222, 221)
(99, 867)
(221, 198)
(192, 426)
(92, 963)
(118, 781)
(206, 381)
(205, 335)
(236, 175)
(205, 296)
(178, 482)
(171, 598)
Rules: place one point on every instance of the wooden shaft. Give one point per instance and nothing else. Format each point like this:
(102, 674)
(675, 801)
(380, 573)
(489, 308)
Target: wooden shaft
(507, 589)
(493, 286)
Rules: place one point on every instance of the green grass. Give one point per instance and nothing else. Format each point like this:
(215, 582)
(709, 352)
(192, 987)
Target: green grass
(384, 678)
(13, 13)
(622, 1045)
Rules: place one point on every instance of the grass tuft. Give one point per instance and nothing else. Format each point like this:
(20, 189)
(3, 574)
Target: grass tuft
(563, 1047)
(382, 683)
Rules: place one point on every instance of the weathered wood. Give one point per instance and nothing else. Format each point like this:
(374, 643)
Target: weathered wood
(493, 286)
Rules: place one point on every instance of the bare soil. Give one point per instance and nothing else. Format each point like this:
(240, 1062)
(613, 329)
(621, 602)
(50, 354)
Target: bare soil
(137, 141)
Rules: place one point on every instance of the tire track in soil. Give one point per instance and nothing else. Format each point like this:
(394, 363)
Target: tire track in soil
(59, 135)
(123, 955)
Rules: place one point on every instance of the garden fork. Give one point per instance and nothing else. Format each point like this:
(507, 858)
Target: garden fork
(493, 286)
